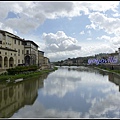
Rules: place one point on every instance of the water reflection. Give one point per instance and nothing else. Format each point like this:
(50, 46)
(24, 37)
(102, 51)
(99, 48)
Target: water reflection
(81, 93)
(61, 82)
(90, 70)
(115, 79)
(14, 96)
(73, 93)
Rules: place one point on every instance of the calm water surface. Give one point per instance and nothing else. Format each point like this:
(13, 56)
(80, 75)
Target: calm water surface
(69, 92)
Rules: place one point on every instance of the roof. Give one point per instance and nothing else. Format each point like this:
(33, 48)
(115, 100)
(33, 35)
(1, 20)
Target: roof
(31, 42)
(16, 37)
(3, 32)
(40, 51)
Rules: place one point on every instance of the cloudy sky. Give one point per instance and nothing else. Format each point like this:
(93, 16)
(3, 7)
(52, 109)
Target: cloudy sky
(64, 29)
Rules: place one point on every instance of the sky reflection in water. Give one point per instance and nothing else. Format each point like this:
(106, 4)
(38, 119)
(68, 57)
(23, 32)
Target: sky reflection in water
(71, 93)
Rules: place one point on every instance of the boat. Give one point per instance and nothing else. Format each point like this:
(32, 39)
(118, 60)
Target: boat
(18, 80)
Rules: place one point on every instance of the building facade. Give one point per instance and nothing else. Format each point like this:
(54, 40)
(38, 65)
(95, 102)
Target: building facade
(40, 58)
(15, 51)
(30, 53)
(119, 55)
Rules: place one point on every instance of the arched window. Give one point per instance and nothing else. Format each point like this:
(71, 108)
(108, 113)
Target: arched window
(27, 60)
(11, 62)
(5, 62)
(0, 61)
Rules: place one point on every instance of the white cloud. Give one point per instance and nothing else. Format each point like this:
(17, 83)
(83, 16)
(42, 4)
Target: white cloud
(116, 15)
(88, 49)
(115, 41)
(6, 28)
(35, 13)
(24, 24)
(40, 111)
(60, 86)
(101, 21)
(89, 32)
(82, 32)
(60, 42)
(89, 38)
(103, 37)
(56, 56)
(59, 46)
(100, 108)
(32, 14)
(101, 6)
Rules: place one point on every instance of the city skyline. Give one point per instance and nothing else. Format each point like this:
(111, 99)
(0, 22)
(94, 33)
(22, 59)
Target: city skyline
(64, 29)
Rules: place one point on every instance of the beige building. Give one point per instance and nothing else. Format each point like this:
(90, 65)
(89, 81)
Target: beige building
(40, 57)
(46, 63)
(119, 56)
(15, 51)
(115, 56)
(31, 53)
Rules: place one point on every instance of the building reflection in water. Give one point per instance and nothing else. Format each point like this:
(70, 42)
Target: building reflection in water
(90, 70)
(13, 96)
(115, 79)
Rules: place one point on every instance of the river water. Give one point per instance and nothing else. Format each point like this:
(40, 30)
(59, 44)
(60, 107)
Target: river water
(69, 92)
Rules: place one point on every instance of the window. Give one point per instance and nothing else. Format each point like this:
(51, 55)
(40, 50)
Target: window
(18, 42)
(18, 52)
(27, 51)
(14, 41)
(22, 43)
(28, 43)
(1, 36)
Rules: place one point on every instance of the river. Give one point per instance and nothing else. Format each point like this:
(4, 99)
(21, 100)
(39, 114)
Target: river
(69, 92)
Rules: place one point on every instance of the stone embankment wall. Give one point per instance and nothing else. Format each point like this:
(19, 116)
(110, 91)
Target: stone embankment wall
(112, 67)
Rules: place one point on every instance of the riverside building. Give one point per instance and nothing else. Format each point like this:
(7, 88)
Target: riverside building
(15, 51)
